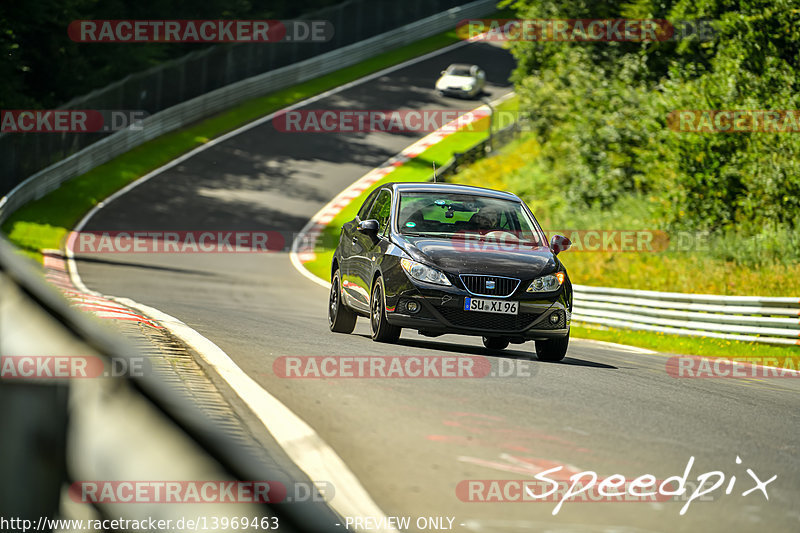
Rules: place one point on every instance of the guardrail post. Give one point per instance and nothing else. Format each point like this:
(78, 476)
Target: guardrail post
(490, 145)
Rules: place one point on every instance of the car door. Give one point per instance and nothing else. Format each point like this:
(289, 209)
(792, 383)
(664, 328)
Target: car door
(347, 240)
(366, 251)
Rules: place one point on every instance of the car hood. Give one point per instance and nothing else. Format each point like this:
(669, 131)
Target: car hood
(458, 256)
(455, 81)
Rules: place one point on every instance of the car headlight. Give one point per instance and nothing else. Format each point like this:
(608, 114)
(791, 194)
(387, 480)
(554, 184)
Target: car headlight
(421, 272)
(548, 283)
(467, 87)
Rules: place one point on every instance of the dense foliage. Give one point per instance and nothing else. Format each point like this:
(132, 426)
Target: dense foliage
(600, 110)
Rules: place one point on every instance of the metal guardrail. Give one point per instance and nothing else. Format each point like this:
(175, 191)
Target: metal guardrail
(226, 97)
(773, 320)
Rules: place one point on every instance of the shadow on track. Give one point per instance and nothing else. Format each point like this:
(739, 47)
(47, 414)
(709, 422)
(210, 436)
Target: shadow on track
(478, 350)
(95, 260)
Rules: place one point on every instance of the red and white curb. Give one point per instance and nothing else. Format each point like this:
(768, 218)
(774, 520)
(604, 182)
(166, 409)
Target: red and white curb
(56, 273)
(306, 241)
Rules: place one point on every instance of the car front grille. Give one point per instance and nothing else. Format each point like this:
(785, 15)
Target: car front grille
(477, 284)
(489, 321)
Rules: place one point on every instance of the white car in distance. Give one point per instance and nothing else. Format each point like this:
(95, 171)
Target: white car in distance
(462, 80)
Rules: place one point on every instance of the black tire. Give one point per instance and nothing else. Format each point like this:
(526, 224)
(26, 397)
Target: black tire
(495, 343)
(382, 331)
(552, 350)
(340, 318)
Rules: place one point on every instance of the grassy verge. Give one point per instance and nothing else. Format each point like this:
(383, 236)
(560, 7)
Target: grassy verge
(704, 346)
(44, 223)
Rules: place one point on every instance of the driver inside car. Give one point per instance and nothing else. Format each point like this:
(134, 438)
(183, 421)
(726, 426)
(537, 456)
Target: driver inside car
(485, 220)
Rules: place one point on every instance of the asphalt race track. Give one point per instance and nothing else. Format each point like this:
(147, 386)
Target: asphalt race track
(410, 442)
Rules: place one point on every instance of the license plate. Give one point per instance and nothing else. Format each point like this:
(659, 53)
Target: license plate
(491, 306)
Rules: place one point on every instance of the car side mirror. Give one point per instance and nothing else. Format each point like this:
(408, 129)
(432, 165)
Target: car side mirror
(443, 72)
(559, 243)
(369, 227)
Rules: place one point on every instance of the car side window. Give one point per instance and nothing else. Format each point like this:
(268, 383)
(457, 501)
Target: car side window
(381, 209)
(365, 208)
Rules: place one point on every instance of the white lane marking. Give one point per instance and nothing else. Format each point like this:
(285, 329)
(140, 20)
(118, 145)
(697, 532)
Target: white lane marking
(319, 455)
(305, 272)
(302, 444)
(617, 346)
(304, 242)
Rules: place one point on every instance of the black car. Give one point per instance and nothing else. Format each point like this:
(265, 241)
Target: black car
(442, 258)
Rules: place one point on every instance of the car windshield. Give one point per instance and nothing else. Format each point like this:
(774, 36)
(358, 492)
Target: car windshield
(454, 215)
(459, 71)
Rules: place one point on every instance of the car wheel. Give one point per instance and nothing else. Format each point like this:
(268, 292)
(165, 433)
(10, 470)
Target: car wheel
(552, 349)
(495, 343)
(340, 318)
(382, 331)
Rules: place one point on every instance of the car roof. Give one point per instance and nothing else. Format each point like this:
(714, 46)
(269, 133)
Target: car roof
(426, 186)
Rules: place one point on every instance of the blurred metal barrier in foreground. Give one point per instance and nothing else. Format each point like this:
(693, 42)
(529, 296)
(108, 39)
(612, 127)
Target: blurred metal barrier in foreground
(773, 320)
(55, 431)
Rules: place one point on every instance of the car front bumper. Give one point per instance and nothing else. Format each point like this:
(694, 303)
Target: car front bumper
(457, 91)
(441, 311)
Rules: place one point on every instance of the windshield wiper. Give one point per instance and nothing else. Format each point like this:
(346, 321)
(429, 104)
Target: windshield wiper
(424, 233)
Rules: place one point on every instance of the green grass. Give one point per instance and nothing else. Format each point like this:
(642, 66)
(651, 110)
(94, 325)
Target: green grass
(44, 223)
(704, 346)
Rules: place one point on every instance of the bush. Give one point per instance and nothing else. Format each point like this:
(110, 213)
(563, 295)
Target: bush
(600, 118)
